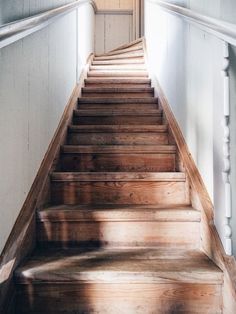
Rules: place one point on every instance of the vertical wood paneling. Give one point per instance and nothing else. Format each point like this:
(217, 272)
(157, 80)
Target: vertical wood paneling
(114, 4)
(112, 30)
(117, 31)
(100, 34)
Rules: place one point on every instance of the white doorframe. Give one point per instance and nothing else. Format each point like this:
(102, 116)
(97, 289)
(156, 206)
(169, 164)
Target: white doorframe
(138, 18)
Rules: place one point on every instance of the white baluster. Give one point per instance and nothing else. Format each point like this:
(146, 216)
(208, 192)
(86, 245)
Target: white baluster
(226, 151)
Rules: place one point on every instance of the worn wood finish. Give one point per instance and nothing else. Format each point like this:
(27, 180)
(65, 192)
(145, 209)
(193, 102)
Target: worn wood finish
(118, 74)
(119, 138)
(123, 82)
(116, 118)
(112, 196)
(118, 128)
(119, 266)
(109, 298)
(145, 162)
(118, 227)
(116, 192)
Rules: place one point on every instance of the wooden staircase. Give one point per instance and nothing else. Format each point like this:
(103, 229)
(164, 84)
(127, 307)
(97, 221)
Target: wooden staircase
(120, 234)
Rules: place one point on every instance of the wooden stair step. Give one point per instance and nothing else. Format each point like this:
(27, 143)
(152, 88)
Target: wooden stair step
(100, 213)
(118, 85)
(120, 226)
(119, 106)
(117, 266)
(118, 138)
(121, 67)
(136, 49)
(118, 74)
(161, 188)
(121, 158)
(120, 90)
(119, 281)
(119, 61)
(116, 112)
(109, 100)
(124, 56)
(118, 176)
(121, 149)
(124, 81)
(117, 117)
(118, 128)
(119, 95)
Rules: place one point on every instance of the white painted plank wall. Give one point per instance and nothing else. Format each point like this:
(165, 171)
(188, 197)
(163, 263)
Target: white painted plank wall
(113, 28)
(114, 4)
(37, 77)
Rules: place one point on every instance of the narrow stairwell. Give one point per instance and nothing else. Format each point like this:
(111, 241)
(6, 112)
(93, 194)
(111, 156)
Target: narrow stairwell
(120, 234)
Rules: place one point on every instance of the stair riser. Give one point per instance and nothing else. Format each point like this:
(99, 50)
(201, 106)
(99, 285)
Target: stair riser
(111, 74)
(119, 95)
(172, 298)
(116, 85)
(114, 192)
(118, 139)
(119, 234)
(119, 62)
(121, 67)
(123, 106)
(118, 162)
(106, 120)
(123, 56)
(124, 81)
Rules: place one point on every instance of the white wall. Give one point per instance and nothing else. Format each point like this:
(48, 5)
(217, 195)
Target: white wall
(114, 24)
(112, 31)
(188, 64)
(37, 77)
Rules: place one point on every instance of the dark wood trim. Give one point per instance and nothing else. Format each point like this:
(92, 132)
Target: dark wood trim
(22, 241)
(211, 243)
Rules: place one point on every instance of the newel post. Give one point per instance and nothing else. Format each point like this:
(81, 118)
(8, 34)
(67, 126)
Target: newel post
(226, 150)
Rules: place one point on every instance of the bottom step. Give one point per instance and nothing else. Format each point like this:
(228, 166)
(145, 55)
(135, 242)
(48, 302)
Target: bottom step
(119, 281)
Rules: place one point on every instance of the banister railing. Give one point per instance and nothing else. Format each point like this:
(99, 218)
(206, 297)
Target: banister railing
(12, 32)
(227, 33)
(221, 29)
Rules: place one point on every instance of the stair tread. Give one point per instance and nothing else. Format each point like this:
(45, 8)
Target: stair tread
(127, 100)
(119, 265)
(118, 128)
(118, 149)
(118, 74)
(117, 112)
(117, 81)
(119, 176)
(118, 213)
(117, 89)
(125, 56)
(137, 60)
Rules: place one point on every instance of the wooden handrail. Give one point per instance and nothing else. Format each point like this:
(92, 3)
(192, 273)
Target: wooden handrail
(221, 29)
(11, 32)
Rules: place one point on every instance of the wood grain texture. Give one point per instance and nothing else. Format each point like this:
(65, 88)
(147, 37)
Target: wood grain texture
(115, 192)
(144, 162)
(115, 241)
(141, 299)
(134, 265)
(120, 138)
